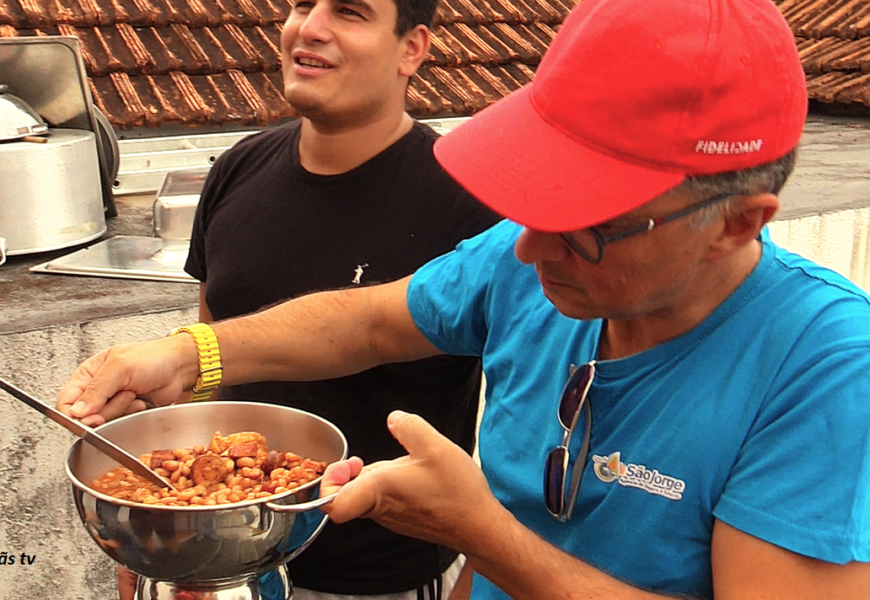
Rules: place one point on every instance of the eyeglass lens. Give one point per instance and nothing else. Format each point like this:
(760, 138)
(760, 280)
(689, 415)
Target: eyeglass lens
(584, 243)
(556, 466)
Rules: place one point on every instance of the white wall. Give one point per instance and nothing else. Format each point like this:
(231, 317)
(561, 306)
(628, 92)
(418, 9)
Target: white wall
(838, 240)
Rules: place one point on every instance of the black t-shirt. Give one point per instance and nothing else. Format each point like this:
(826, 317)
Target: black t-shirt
(267, 230)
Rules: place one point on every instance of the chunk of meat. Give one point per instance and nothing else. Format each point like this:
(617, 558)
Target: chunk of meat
(272, 461)
(243, 449)
(220, 444)
(158, 456)
(208, 469)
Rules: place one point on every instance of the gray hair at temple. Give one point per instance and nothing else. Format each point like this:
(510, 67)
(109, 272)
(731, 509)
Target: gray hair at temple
(767, 178)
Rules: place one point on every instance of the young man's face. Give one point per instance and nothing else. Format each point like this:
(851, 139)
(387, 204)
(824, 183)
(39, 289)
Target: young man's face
(342, 60)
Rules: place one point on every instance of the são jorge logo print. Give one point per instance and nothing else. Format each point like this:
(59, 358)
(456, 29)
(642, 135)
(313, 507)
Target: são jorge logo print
(611, 469)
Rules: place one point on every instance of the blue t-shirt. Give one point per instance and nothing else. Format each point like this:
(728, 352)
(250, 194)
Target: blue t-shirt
(758, 417)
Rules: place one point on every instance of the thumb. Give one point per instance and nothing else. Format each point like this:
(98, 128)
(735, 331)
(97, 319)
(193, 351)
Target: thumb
(412, 431)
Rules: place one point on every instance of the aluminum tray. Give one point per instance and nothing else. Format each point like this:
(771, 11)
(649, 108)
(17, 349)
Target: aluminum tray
(125, 257)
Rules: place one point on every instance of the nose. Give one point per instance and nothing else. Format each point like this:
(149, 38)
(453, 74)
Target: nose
(533, 246)
(316, 25)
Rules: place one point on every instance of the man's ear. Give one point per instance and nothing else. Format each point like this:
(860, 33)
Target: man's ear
(743, 224)
(416, 47)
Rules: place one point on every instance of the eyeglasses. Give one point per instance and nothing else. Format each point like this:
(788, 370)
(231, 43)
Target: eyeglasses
(574, 399)
(589, 243)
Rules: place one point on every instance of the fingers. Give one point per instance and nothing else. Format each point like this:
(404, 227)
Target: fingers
(412, 431)
(72, 392)
(122, 403)
(339, 473)
(356, 495)
(107, 385)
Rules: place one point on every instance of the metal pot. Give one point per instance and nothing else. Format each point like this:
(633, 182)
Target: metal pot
(209, 546)
(50, 197)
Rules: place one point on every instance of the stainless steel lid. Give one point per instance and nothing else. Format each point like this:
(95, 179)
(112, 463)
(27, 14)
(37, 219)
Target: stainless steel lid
(17, 118)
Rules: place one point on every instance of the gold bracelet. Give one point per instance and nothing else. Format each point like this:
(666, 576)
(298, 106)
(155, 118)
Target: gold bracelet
(209, 355)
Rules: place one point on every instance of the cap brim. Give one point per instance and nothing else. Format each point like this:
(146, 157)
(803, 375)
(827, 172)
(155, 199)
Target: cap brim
(516, 163)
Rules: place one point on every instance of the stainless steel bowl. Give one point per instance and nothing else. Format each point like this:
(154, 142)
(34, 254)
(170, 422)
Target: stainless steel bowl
(205, 544)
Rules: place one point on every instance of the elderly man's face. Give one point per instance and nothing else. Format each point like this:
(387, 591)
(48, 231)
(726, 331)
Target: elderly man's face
(643, 275)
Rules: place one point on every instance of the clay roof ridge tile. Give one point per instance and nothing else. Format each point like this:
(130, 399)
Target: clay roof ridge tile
(472, 7)
(798, 12)
(120, 12)
(150, 13)
(489, 54)
(7, 17)
(113, 63)
(813, 52)
(517, 39)
(173, 61)
(526, 70)
(199, 55)
(839, 87)
(95, 13)
(244, 43)
(564, 6)
(441, 43)
(129, 97)
(205, 18)
(857, 26)
(835, 13)
(153, 118)
(543, 11)
(854, 56)
(265, 38)
(496, 83)
(191, 97)
(141, 56)
(445, 76)
(229, 61)
(218, 94)
(250, 94)
(33, 15)
(249, 14)
(505, 51)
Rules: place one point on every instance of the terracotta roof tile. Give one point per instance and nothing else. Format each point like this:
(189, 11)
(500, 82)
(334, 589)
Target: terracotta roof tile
(215, 62)
(833, 39)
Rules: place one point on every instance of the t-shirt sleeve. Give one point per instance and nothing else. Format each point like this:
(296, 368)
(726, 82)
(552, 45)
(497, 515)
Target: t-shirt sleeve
(448, 296)
(471, 216)
(802, 479)
(195, 265)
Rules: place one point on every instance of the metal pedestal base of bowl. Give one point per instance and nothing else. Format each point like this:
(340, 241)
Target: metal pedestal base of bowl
(280, 588)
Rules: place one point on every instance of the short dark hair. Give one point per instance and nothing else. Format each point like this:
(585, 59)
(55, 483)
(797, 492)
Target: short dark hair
(414, 12)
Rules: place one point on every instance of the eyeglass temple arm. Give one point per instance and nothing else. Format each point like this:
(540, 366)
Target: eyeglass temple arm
(653, 223)
(579, 465)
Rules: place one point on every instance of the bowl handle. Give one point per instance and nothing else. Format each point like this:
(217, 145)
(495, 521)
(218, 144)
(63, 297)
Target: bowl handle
(303, 506)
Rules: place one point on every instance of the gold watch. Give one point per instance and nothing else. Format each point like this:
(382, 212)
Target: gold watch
(209, 354)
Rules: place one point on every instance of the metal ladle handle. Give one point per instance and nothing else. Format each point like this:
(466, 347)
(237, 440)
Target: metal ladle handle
(88, 435)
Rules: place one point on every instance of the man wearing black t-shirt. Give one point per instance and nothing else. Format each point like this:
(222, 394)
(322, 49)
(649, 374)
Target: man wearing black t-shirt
(349, 194)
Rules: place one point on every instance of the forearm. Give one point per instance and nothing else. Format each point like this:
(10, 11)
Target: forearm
(322, 336)
(526, 567)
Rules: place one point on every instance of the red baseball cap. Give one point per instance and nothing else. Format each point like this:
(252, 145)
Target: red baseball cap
(631, 97)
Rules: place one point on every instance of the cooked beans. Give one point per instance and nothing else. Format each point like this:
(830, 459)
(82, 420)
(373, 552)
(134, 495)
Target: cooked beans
(230, 469)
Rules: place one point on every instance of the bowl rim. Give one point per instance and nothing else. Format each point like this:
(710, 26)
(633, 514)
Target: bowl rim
(86, 489)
